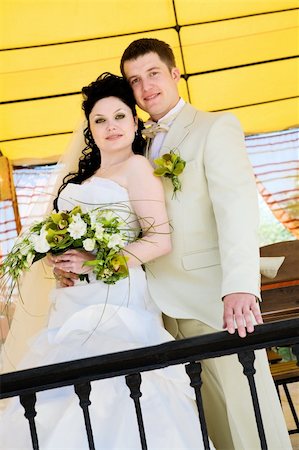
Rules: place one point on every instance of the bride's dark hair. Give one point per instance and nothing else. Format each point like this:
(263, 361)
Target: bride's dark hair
(106, 85)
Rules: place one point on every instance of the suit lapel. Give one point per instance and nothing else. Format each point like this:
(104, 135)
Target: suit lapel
(179, 129)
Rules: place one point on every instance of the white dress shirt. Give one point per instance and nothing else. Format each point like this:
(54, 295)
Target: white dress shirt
(158, 140)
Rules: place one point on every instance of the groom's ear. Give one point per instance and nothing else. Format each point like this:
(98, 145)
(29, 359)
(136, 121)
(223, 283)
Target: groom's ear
(175, 73)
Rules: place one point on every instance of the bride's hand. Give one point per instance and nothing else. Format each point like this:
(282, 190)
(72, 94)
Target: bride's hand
(72, 261)
(65, 279)
(49, 260)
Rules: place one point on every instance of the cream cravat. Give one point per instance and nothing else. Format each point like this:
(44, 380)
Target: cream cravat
(152, 128)
(155, 132)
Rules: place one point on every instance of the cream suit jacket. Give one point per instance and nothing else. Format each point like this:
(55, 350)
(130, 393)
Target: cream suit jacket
(214, 220)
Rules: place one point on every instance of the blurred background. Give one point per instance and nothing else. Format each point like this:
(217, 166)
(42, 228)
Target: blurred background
(238, 56)
(234, 55)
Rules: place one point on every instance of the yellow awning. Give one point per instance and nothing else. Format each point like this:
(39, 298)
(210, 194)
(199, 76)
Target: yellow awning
(239, 56)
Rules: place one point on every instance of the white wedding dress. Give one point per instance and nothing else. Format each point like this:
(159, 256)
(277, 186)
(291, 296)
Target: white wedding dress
(93, 319)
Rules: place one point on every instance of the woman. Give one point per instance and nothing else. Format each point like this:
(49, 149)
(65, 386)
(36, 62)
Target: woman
(94, 318)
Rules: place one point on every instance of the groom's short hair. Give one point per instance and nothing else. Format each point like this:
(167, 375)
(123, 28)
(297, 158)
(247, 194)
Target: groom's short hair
(143, 46)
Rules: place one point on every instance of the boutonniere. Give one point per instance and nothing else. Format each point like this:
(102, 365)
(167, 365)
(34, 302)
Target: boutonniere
(170, 165)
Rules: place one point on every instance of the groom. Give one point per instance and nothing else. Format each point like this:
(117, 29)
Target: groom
(211, 278)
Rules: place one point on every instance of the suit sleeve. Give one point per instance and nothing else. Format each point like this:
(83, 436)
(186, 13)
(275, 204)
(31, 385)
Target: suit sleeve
(233, 194)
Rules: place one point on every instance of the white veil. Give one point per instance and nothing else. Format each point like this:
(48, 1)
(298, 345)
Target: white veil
(33, 303)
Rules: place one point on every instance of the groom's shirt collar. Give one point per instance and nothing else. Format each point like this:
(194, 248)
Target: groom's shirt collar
(171, 115)
(158, 140)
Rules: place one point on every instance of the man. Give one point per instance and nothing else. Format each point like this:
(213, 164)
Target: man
(211, 278)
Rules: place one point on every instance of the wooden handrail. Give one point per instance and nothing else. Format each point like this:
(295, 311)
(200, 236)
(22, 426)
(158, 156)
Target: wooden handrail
(148, 358)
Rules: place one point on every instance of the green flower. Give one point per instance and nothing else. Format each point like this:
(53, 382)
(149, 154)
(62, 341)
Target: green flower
(120, 265)
(170, 165)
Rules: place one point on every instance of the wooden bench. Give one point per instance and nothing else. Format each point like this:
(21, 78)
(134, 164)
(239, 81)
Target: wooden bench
(281, 301)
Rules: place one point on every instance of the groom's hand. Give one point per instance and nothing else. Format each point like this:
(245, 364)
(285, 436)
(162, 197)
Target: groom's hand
(240, 310)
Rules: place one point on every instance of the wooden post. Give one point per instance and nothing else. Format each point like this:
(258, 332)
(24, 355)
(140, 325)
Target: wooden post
(7, 188)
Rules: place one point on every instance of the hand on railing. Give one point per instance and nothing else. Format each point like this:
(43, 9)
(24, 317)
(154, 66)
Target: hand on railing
(240, 310)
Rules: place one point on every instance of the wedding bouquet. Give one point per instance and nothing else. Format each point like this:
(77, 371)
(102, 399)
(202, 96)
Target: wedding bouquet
(101, 231)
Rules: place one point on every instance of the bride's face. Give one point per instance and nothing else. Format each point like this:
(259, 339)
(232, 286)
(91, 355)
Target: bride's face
(112, 125)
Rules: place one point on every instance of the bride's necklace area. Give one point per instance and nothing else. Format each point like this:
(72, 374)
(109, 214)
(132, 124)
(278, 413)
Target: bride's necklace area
(105, 170)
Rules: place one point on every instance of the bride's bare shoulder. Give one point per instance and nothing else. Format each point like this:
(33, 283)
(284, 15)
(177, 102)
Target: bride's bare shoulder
(139, 162)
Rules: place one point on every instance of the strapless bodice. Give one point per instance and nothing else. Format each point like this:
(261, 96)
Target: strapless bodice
(93, 192)
(97, 192)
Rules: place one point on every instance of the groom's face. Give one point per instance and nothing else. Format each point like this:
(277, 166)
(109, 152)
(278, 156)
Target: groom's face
(155, 86)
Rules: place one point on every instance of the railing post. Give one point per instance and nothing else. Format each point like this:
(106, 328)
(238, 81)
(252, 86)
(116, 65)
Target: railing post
(194, 370)
(83, 392)
(133, 382)
(247, 360)
(28, 402)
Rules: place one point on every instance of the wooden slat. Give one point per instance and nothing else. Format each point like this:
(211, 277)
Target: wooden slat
(284, 370)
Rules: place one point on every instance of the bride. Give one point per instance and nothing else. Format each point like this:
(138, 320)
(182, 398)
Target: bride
(89, 319)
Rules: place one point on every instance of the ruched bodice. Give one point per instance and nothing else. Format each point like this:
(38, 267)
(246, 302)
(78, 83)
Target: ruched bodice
(97, 192)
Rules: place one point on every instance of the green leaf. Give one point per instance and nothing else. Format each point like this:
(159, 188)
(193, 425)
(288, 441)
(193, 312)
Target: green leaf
(93, 262)
(84, 277)
(38, 256)
(76, 210)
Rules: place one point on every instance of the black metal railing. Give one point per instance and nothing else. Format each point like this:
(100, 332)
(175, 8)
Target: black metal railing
(131, 363)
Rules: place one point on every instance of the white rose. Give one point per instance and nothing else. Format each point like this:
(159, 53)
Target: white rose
(93, 218)
(109, 215)
(115, 240)
(89, 244)
(99, 231)
(77, 228)
(40, 243)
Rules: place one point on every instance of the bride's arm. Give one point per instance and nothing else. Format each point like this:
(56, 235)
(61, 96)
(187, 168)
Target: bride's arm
(147, 199)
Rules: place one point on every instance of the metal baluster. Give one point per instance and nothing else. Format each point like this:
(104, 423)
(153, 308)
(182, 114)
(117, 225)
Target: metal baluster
(194, 370)
(133, 382)
(28, 402)
(247, 360)
(83, 392)
(295, 350)
(291, 405)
